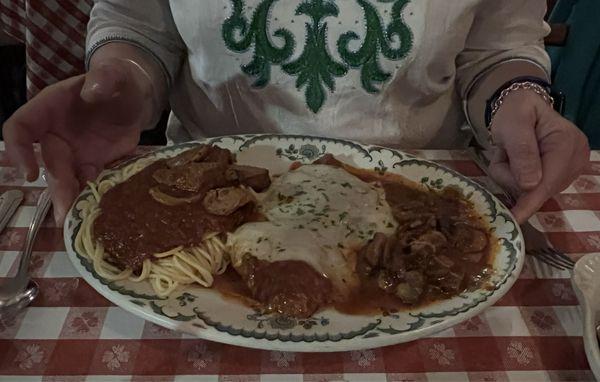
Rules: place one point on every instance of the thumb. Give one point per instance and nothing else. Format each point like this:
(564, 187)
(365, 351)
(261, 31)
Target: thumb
(104, 81)
(524, 158)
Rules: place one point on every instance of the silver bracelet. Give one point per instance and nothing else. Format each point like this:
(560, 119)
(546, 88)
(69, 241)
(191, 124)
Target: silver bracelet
(526, 85)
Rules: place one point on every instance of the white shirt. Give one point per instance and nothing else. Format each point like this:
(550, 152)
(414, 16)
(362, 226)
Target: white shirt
(389, 72)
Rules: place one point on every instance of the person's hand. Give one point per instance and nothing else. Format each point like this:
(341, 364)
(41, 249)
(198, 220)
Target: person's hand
(82, 124)
(539, 152)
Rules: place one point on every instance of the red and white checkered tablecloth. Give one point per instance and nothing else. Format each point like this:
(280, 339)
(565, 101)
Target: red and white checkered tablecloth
(71, 333)
(53, 32)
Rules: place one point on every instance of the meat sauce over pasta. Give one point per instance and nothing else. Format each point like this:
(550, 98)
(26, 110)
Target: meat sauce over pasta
(176, 202)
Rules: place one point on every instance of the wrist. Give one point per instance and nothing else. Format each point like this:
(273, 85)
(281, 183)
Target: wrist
(526, 87)
(149, 96)
(519, 107)
(486, 84)
(145, 73)
(125, 84)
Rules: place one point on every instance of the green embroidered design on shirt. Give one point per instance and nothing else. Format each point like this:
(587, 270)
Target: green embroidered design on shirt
(315, 68)
(265, 53)
(378, 39)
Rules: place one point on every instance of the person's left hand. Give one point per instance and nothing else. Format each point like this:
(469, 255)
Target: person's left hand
(539, 153)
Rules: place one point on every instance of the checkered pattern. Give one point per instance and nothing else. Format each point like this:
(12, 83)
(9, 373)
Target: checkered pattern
(54, 35)
(71, 333)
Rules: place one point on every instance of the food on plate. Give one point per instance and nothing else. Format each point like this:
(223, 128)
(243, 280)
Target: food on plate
(303, 256)
(371, 242)
(165, 220)
(319, 235)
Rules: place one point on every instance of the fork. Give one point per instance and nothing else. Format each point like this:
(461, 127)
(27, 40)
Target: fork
(536, 243)
(17, 292)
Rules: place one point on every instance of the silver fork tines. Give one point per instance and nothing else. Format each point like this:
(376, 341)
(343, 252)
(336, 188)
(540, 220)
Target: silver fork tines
(553, 258)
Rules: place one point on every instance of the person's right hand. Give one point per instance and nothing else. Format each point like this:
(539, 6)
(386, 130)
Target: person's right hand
(82, 124)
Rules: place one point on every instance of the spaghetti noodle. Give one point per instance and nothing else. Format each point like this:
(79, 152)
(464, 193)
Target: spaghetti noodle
(165, 271)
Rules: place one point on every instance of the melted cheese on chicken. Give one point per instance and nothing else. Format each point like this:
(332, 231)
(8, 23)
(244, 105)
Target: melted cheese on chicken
(318, 214)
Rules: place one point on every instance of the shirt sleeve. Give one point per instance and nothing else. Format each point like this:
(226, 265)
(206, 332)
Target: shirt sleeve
(503, 31)
(147, 24)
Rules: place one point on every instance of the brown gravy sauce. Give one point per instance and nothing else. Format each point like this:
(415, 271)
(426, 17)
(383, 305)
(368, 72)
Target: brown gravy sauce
(369, 299)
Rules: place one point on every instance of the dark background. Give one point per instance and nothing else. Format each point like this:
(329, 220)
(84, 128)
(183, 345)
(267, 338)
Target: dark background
(13, 92)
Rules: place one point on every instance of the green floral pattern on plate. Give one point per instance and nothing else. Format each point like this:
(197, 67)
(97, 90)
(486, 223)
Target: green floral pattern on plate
(206, 314)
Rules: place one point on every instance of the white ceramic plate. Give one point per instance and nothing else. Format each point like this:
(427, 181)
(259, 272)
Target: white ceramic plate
(586, 283)
(204, 313)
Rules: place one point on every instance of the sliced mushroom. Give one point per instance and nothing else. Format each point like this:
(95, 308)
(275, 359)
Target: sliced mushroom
(386, 281)
(192, 155)
(439, 266)
(442, 261)
(191, 177)
(469, 238)
(219, 155)
(330, 160)
(375, 249)
(422, 248)
(451, 282)
(225, 201)
(479, 241)
(408, 293)
(415, 279)
(411, 288)
(473, 257)
(435, 238)
(169, 200)
(254, 177)
(389, 251)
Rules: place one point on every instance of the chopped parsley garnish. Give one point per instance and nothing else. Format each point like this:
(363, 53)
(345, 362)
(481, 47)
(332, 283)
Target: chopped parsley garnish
(284, 198)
